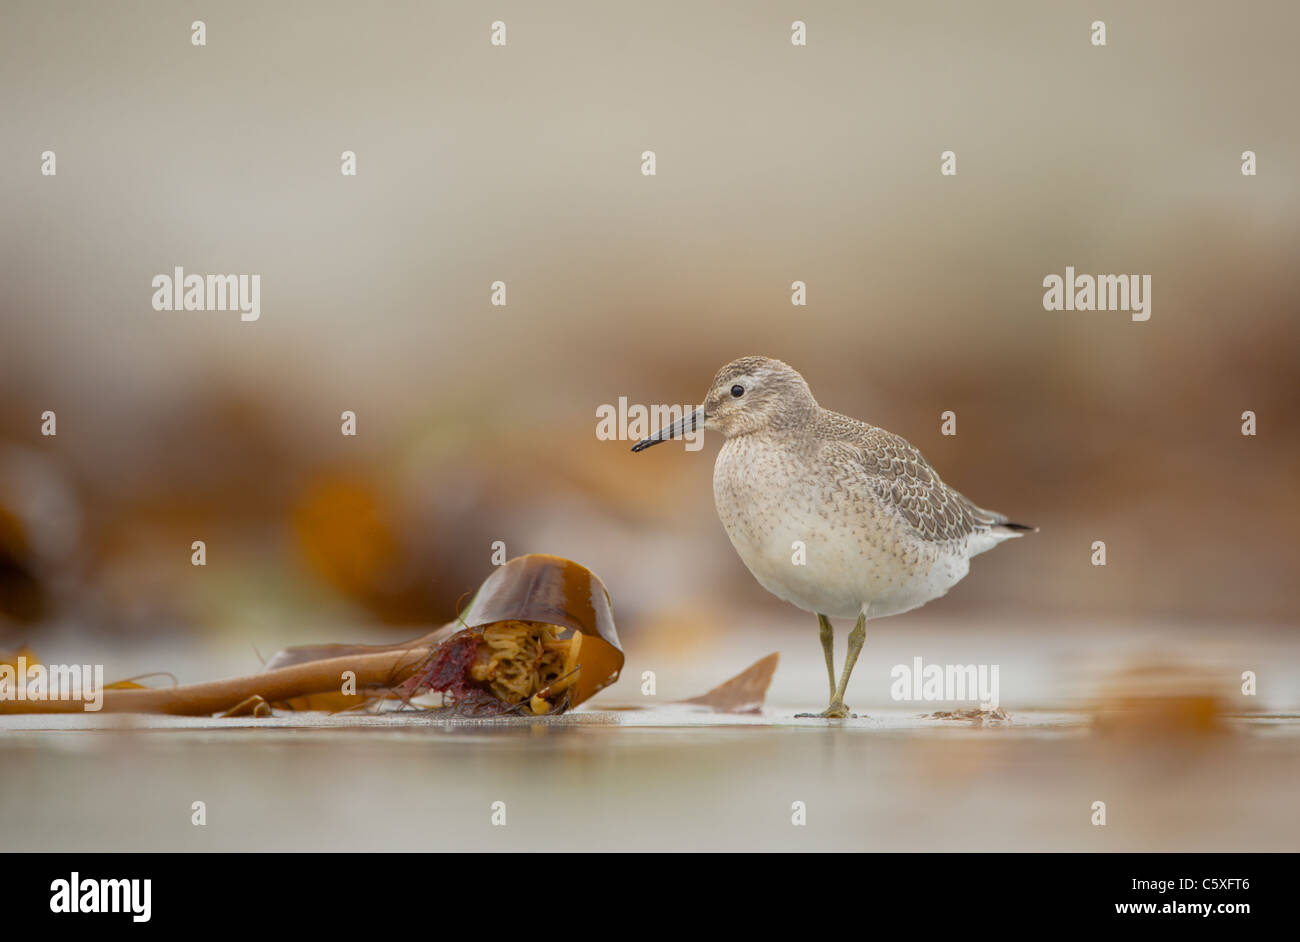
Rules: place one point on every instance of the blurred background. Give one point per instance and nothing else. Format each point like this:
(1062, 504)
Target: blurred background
(476, 423)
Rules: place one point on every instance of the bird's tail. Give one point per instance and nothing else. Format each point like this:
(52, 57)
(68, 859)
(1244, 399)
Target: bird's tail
(999, 530)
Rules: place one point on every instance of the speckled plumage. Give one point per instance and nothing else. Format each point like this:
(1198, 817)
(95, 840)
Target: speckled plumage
(879, 526)
(831, 514)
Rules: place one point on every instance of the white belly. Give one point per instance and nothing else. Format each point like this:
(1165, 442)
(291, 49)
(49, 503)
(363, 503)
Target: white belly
(820, 547)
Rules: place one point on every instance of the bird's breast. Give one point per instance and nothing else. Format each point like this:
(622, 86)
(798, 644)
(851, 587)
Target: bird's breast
(818, 537)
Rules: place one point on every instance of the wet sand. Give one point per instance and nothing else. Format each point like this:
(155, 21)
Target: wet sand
(645, 780)
(670, 778)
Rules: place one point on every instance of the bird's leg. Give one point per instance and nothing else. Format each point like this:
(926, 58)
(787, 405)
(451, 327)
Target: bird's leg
(837, 709)
(828, 648)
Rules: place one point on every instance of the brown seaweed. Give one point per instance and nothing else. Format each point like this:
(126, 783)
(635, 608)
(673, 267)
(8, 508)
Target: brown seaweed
(743, 693)
(561, 597)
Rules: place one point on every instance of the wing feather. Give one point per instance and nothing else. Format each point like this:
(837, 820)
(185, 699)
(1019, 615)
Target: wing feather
(902, 478)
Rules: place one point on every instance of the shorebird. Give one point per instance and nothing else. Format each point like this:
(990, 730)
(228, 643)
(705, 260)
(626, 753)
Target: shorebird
(838, 517)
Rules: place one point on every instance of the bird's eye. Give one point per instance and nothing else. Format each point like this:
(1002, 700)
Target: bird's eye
(737, 391)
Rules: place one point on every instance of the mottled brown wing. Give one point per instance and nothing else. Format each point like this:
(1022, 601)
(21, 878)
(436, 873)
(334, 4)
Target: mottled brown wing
(902, 478)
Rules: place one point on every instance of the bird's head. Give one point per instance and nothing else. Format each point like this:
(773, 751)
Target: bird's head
(755, 394)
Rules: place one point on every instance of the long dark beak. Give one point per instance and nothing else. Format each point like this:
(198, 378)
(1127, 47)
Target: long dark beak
(687, 423)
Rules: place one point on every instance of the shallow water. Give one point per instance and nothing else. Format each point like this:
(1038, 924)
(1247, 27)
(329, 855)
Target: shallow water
(1172, 776)
(660, 780)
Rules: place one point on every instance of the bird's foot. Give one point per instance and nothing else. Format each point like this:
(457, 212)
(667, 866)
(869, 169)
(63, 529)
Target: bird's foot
(836, 711)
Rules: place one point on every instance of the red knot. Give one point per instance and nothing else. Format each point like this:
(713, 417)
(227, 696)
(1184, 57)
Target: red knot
(881, 533)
